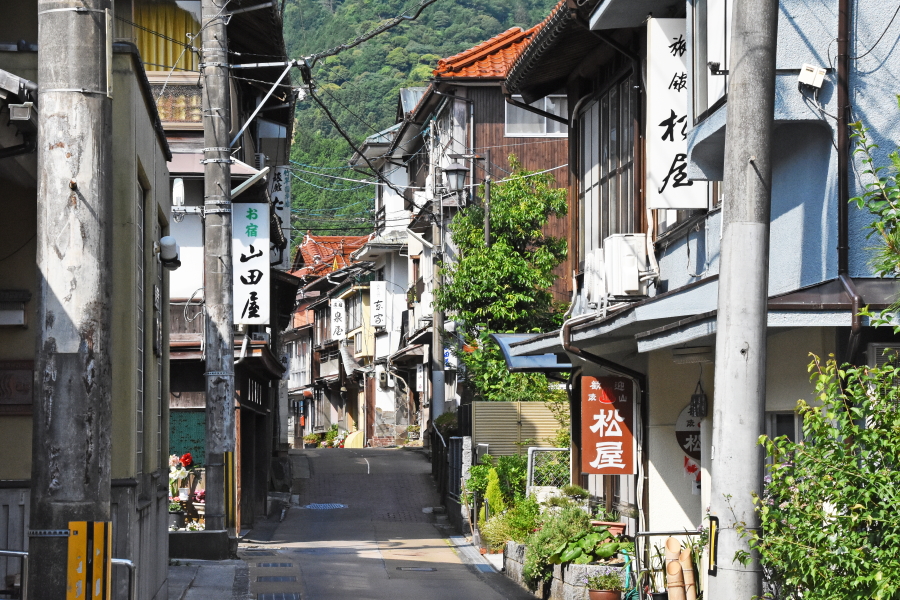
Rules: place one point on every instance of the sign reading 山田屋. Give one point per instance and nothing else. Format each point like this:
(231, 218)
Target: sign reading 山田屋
(250, 260)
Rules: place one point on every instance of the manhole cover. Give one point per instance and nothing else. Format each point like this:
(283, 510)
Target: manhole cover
(416, 569)
(323, 506)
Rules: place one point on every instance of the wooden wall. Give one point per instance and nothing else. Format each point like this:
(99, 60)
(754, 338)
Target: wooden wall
(535, 154)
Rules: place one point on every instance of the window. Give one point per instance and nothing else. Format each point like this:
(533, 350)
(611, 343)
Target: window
(160, 33)
(522, 123)
(786, 423)
(606, 167)
(354, 312)
(323, 324)
(300, 362)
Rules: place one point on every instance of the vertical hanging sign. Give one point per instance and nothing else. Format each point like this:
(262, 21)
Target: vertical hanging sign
(378, 301)
(280, 194)
(251, 263)
(668, 186)
(338, 320)
(420, 378)
(607, 426)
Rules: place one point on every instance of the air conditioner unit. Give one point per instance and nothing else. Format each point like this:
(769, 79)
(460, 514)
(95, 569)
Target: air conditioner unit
(259, 161)
(594, 280)
(883, 354)
(624, 258)
(260, 337)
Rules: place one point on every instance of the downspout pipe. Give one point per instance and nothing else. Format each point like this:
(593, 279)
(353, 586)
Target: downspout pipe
(565, 335)
(843, 163)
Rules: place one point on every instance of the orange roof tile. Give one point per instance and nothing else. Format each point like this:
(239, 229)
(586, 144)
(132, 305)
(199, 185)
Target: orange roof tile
(491, 59)
(323, 254)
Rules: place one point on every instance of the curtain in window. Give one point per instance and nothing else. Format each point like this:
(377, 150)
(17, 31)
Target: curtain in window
(158, 21)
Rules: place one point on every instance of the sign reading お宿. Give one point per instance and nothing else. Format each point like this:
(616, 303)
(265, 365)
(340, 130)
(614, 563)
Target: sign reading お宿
(250, 259)
(607, 426)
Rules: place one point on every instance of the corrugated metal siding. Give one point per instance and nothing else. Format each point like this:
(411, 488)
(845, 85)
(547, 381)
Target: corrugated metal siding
(504, 426)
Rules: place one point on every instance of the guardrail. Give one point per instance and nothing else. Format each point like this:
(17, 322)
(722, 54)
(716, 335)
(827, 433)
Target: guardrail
(116, 562)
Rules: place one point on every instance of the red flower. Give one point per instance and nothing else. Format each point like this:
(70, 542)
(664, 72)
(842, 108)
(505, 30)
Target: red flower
(186, 460)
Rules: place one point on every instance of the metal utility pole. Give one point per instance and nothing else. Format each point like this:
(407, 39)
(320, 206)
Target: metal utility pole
(218, 293)
(738, 417)
(70, 473)
(437, 319)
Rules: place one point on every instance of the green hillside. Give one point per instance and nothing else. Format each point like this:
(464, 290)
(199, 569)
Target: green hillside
(360, 86)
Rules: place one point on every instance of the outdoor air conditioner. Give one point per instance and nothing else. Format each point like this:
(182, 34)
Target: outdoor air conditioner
(624, 259)
(259, 161)
(882, 354)
(594, 280)
(260, 337)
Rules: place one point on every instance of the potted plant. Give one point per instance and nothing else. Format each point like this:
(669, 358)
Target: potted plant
(311, 440)
(607, 584)
(200, 502)
(412, 432)
(176, 514)
(610, 520)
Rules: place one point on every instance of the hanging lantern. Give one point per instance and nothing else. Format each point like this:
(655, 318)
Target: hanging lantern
(698, 406)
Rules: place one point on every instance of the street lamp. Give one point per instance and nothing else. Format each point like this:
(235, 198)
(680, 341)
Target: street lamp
(456, 176)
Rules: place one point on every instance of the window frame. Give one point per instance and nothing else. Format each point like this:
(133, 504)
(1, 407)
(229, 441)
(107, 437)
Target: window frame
(562, 134)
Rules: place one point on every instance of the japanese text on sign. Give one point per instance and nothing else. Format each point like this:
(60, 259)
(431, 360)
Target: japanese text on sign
(280, 195)
(250, 244)
(338, 320)
(607, 426)
(668, 186)
(378, 301)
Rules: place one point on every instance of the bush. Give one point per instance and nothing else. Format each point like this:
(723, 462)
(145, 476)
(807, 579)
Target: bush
(557, 529)
(447, 424)
(493, 494)
(515, 525)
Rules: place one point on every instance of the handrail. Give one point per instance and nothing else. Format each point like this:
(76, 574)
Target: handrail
(121, 562)
(24, 578)
(444, 442)
(637, 554)
(132, 575)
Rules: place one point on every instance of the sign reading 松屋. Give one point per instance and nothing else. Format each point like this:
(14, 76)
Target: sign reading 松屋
(607, 426)
(378, 301)
(250, 259)
(668, 186)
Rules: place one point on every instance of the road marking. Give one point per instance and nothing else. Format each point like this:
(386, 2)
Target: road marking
(368, 470)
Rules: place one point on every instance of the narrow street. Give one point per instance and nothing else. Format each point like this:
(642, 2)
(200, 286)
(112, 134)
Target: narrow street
(359, 531)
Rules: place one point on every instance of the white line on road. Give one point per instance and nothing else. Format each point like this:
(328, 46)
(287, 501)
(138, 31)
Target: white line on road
(368, 470)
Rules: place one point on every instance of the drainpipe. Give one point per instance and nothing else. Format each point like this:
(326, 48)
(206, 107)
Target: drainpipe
(565, 336)
(843, 161)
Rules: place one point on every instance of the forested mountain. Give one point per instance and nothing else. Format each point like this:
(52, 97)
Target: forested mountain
(360, 86)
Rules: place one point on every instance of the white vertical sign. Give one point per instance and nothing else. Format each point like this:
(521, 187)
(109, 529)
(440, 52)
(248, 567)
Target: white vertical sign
(338, 320)
(280, 194)
(668, 186)
(250, 259)
(420, 378)
(378, 303)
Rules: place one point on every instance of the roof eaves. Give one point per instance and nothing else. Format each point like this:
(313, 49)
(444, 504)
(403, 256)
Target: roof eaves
(540, 44)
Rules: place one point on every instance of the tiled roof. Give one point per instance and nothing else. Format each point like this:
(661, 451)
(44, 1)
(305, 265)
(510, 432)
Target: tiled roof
(322, 254)
(491, 59)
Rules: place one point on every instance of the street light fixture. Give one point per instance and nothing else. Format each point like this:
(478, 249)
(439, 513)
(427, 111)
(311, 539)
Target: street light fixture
(456, 176)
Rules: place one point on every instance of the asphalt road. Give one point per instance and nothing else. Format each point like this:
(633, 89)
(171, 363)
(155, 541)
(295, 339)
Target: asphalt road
(359, 531)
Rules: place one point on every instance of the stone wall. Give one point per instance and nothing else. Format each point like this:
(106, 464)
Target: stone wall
(567, 582)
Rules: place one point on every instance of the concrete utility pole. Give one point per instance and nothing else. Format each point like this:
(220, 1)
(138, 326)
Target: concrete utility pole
(740, 398)
(437, 319)
(70, 473)
(218, 292)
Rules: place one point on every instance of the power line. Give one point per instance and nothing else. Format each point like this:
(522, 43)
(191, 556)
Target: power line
(878, 41)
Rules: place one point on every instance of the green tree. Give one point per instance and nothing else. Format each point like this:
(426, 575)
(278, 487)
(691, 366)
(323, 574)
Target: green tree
(505, 287)
(829, 521)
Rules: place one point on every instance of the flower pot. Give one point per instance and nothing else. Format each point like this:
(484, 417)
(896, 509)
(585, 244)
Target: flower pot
(184, 493)
(616, 528)
(176, 519)
(604, 595)
(200, 507)
(311, 445)
(659, 595)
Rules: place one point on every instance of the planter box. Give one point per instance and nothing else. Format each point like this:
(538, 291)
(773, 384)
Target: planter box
(566, 583)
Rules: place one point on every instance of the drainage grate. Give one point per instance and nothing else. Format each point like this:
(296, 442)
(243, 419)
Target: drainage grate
(275, 578)
(323, 506)
(275, 565)
(416, 569)
(278, 596)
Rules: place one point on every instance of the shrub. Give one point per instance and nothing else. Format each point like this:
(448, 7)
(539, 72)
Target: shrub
(516, 524)
(556, 530)
(493, 494)
(446, 424)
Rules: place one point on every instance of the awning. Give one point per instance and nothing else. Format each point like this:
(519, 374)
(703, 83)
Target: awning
(411, 354)
(188, 163)
(350, 364)
(541, 363)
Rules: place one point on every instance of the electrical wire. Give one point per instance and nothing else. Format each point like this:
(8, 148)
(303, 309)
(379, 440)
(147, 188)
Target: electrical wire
(880, 37)
(25, 243)
(358, 118)
(312, 60)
